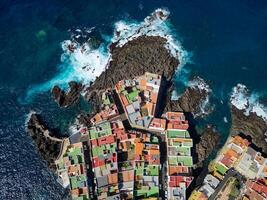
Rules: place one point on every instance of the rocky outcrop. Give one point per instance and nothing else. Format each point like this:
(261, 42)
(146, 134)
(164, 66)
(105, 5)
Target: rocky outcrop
(208, 142)
(252, 125)
(143, 54)
(47, 142)
(192, 100)
(65, 99)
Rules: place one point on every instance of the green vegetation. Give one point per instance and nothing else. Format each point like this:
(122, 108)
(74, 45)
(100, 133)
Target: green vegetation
(235, 190)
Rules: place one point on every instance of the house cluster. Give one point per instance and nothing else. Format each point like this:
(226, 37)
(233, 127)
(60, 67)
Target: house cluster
(126, 165)
(103, 156)
(108, 161)
(179, 160)
(72, 171)
(108, 108)
(139, 98)
(239, 157)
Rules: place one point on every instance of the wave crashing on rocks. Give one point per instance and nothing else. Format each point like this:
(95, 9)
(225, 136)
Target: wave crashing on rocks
(82, 63)
(248, 101)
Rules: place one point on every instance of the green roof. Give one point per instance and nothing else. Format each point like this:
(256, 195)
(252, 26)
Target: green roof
(183, 160)
(177, 134)
(221, 169)
(100, 130)
(76, 181)
(154, 139)
(73, 182)
(184, 151)
(151, 192)
(132, 96)
(152, 170)
(75, 155)
(92, 134)
(83, 197)
(185, 144)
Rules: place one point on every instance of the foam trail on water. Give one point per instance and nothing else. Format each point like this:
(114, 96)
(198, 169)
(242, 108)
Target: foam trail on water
(82, 63)
(244, 100)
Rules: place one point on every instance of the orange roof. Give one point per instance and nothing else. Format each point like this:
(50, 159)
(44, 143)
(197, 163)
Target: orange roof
(178, 124)
(96, 118)
(154, 152)
(113, 178)
(231, 153)
(175, 115)
(127, 176)
(124, 100)
(139, 148)
(143, 82)
(158, 123)
(75, 192)
(260, 159)
(177, 170)
(238, 140)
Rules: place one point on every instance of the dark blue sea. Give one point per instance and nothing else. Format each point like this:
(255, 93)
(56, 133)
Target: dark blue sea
(227, 41)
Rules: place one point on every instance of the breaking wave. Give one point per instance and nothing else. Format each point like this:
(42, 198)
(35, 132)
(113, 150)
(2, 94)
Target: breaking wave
(204, 108)
(82, 62)
(247, 101)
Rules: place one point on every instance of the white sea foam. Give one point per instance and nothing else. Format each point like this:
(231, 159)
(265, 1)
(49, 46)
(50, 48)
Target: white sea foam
(82, 63)
(200, 84)
(205, 107)
(244, 100)
(28, 117)
(156, 24)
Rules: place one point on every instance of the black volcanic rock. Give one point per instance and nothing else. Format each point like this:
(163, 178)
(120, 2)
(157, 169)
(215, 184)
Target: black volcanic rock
(190, 101)
(251, 125)
(47, 142)
(208, 141)
(65, 99)
(143, 54)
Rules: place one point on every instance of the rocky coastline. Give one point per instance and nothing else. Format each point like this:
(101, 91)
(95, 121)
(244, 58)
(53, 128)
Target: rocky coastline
(65, 99)
(208, 141)
(47, 142)
(143, 54)
(191, 100)
(251, 125)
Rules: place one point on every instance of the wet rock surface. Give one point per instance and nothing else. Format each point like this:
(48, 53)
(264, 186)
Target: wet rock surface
(47, 142)
(190, 101)
(251, 125)
(143, 54)
(208, 141)
(65, 99)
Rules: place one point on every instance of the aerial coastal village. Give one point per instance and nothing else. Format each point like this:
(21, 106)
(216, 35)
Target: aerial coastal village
(237, 167)
(130, 152)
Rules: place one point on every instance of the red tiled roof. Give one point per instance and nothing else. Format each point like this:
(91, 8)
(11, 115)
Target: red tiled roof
(226, 161)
